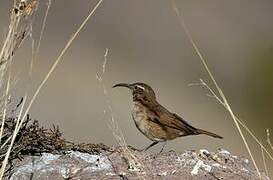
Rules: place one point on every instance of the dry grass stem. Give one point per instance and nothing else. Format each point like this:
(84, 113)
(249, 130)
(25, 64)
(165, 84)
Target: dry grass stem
(268, 139)
(35, 53)
(264, 162)
(15, 132)
(223, 97)
(5, 103)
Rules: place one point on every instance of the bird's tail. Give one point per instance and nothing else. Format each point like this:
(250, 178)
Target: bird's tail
(201, 131)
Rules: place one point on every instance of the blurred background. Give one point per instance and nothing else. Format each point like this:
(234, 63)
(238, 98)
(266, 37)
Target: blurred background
(147, 44)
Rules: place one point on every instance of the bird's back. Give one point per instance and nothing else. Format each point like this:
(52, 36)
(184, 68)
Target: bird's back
(174, 121)
(170, 124)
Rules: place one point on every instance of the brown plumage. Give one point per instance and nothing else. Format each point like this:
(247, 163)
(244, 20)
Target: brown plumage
(155, 121)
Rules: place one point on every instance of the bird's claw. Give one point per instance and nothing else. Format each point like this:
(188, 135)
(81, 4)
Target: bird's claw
(134, 149)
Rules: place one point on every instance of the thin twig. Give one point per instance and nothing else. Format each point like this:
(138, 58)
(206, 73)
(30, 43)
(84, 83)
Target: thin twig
(213, 94)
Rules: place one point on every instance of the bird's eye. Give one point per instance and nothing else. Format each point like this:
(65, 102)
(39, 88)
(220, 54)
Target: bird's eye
(138, 87)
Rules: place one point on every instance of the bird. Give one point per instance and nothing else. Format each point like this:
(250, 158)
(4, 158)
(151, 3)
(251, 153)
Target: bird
(155, 121)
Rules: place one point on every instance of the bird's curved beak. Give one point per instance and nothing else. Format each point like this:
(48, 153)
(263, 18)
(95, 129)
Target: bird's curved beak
(122, 85)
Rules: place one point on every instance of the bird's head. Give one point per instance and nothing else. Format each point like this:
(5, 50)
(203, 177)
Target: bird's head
(139, 90)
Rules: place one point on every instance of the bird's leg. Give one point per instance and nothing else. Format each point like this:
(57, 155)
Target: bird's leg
(151, 145)
(133, 148)
(144, 149)
(164, 144)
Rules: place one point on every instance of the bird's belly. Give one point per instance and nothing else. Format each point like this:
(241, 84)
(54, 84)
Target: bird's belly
(148, 128)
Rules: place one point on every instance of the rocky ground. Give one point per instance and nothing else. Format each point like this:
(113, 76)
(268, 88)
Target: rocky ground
(118, 163)
(42, 153)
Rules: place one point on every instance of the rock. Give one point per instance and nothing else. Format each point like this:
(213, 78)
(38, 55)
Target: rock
(123, 163)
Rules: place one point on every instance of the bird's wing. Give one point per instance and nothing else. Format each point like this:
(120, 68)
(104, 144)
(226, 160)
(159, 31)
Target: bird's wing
(185, 123)
(170, 120)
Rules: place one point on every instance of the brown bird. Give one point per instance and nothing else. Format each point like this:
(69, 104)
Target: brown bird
(155, 121)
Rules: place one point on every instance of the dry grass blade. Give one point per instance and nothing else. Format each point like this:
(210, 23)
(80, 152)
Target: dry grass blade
(223, 97)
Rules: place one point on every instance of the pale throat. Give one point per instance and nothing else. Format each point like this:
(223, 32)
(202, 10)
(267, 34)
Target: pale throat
(138, 112)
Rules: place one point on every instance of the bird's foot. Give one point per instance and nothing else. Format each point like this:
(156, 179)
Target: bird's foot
(134, 149)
